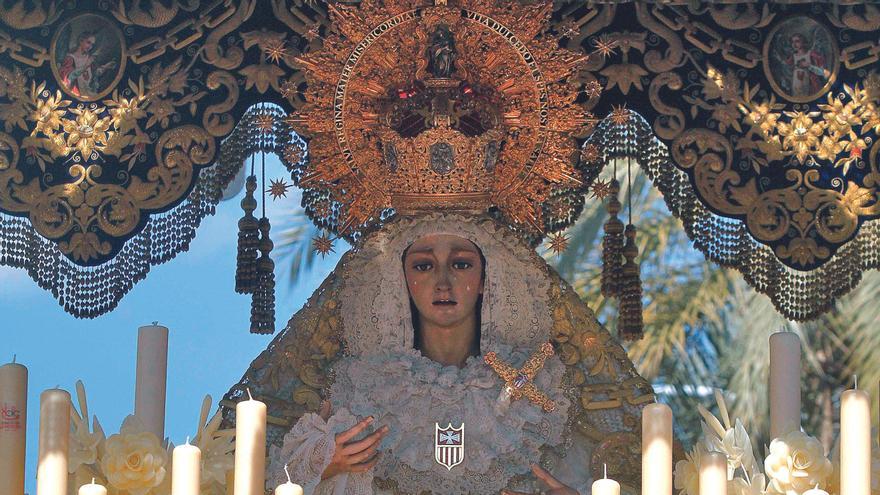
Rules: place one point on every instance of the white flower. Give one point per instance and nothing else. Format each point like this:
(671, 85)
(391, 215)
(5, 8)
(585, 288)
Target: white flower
(687, 472)
(738, 447)
(730, 439)
(795, 464)
(218, 448)
(83, 450)
(85, 444)
(134, 460)
(739, 486)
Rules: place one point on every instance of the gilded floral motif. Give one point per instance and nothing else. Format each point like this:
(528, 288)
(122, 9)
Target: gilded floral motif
(87, 132)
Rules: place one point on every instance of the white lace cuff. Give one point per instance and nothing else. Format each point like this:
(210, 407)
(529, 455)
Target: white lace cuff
(307, 450)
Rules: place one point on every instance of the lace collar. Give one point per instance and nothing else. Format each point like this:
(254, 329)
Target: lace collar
(410, 393)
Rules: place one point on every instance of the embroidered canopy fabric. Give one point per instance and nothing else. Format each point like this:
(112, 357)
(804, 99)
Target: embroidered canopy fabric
(121, 123)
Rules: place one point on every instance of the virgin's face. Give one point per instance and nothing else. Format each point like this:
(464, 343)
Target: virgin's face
(86, 44)
(443, 274)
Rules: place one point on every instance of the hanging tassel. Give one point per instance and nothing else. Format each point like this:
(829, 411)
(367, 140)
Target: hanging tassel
(263, 301)
(612, 245)
(630, 325)
(248, 240)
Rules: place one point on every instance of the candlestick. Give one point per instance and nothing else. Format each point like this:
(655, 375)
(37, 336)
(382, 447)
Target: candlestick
(289, 488)
(604, 486)
(785, 383)
(250, 447)
(855, 442)
(54, 442)
(152, 370)
(713, 474)
(92, 489)
(185, 469)
(13, 426)
(657, 450)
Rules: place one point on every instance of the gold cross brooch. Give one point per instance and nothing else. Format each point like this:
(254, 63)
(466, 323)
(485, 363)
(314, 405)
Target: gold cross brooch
(518, 382)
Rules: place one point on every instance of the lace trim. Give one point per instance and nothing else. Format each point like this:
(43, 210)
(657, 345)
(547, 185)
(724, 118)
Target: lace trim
(307, 449)
(410, 393)
(515, 298)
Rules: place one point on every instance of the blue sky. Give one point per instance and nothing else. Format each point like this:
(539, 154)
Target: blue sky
(210, 346)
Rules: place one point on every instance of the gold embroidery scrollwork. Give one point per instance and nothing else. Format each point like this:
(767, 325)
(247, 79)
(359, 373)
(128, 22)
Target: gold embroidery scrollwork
(176, 152)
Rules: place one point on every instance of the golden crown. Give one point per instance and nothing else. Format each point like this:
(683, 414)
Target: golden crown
(413, 105)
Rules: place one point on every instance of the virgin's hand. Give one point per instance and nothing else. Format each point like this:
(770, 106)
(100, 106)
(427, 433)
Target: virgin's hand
(554, 486)
(351, 456)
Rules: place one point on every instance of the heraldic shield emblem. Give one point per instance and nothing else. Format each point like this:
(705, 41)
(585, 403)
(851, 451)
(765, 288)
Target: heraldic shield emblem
(448, 445)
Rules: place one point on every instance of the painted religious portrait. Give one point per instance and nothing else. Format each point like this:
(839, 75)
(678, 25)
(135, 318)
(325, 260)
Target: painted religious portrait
(800, 59)
(88, 56)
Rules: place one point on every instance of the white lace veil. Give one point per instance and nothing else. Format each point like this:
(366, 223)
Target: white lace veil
(374, 300)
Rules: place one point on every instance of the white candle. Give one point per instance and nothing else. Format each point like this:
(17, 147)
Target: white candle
(855, 443)
(657, 450)
(54, 442)
(604, 486)
(92, 489)
(250, 447)
(290, 488)
(816, 491)
(152, 369)
(713, 474)
(13, 425)
(186, 469)
(785, 383)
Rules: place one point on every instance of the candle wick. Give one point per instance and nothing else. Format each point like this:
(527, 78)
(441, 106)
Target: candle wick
(287, 473)
(250, 397)
(93, 481)
(13, 358)
(605, 469)
(856, 379)
(156, 323)
(187, 439)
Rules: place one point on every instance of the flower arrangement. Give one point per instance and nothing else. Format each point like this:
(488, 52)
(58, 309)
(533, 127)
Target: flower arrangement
(795, 462)
(135, 461)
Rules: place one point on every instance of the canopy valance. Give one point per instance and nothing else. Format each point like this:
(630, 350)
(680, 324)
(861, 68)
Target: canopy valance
(121, 124)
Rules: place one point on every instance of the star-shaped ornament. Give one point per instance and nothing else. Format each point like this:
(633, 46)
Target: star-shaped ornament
(275, 52)
(278, 188)
(593, 89)
(590, 153)
(293, 153)
(518, 382)
(601, 189)
(558, 243)
(605, 45)
(323, 244)
(265, 122)
(288, 89)
(620, 115)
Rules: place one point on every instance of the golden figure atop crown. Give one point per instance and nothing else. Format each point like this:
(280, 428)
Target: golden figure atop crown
(459, 105)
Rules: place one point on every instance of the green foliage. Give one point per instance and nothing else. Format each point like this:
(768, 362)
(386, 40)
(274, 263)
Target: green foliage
(706, 328)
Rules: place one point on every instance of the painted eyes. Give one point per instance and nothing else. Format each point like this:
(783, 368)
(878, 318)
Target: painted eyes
(458, 265)
(423, 267)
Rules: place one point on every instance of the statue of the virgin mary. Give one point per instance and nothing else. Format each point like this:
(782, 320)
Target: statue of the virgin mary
(443, 355)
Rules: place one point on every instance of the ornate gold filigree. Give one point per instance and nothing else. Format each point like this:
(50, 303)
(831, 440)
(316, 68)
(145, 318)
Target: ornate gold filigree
(518, 382)
(375, 59)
